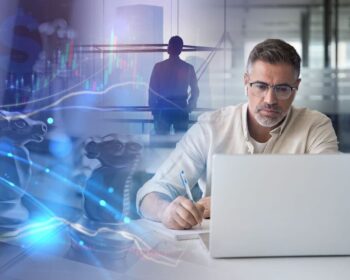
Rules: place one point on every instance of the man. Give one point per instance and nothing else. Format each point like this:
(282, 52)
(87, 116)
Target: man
(268, 123)
(169, 99)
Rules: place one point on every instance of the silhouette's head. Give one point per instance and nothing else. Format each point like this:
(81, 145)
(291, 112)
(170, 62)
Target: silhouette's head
(175, 45)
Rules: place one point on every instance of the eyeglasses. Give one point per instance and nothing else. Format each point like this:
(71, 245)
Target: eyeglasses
(282, 92)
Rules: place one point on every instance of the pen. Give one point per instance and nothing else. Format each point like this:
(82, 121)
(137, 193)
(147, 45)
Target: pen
(185, 184)
(187, 187)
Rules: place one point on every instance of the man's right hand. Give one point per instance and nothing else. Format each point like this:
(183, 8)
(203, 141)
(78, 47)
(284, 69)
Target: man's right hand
(182, 213)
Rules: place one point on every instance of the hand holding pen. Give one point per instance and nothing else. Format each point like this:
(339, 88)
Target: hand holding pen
(182, 213)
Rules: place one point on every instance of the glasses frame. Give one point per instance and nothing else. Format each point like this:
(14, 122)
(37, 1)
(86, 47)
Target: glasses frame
(273, 87)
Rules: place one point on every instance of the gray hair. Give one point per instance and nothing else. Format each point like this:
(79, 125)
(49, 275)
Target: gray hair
(275, 51)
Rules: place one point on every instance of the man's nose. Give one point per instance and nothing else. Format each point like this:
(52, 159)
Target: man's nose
(270, 96)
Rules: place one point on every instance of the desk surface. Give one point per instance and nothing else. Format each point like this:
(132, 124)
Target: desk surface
(161, 257)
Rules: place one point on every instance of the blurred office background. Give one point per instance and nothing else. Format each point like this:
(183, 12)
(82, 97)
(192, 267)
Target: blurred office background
(41, 60)
(65, 62)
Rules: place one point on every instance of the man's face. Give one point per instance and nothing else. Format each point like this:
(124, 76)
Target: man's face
(268, 110)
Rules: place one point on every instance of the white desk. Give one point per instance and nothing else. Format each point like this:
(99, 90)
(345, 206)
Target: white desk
(169, 259)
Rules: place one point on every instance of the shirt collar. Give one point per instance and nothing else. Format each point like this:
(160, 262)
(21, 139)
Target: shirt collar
(245, 121)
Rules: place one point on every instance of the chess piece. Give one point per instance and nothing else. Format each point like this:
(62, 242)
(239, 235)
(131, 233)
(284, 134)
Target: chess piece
(106, 202)
(15, 165)
(107, 191)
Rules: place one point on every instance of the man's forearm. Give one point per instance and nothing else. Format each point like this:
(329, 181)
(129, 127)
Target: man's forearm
(153, 205)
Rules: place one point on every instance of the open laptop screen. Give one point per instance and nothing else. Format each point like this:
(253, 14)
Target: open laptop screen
(280, 205)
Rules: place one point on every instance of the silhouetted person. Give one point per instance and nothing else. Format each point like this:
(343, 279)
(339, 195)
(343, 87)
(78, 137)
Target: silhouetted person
(169, 98)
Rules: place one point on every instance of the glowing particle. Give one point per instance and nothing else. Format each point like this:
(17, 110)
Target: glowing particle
(81, 243)
(110, 190)
(11, 184)
(50, 120)
(126, 220)
(9, 154)
(103, 203)
(47, 170)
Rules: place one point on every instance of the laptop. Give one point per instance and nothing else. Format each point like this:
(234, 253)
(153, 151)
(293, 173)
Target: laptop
(280, 205)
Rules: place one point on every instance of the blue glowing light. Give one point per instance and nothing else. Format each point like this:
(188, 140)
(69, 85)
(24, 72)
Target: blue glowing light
(126, 220)
(81, 243)
(110, 190)
(11, 184)
(60, 146)
(42, 232)
(47, 170)
(50, 120)
(9, 154)
(103, 203)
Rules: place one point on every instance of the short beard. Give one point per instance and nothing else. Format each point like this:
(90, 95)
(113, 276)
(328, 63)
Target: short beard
(266, 121)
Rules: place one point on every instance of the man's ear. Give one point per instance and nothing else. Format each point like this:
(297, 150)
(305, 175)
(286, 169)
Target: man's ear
(297, 86)
(246, 81)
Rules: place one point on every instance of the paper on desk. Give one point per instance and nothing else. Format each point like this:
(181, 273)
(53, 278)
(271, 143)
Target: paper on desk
(185, 234)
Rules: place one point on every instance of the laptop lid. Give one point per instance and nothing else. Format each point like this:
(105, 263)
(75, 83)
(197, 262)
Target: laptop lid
(280, 205)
